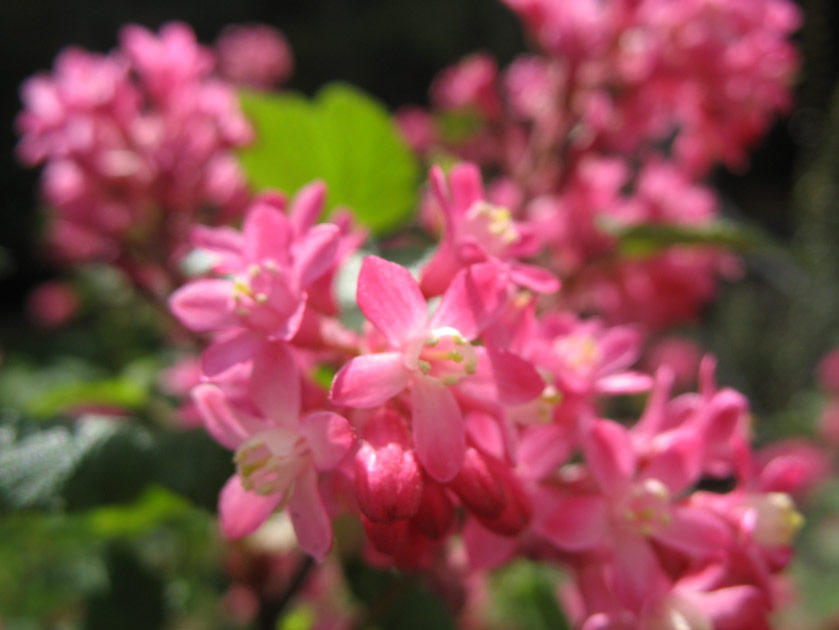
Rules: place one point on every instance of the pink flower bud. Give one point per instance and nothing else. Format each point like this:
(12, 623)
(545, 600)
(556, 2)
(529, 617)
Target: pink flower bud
(388, 479)
(518, 510)
(478, 488)
(386, 537)
(436, 512)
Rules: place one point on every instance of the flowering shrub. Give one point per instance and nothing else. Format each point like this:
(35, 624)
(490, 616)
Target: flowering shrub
(492, 399)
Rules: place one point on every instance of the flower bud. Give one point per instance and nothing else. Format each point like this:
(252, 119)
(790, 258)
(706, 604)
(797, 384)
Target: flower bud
(386, 537)
(480, 491)
(518, 510)
(388, 478)
(436, 512)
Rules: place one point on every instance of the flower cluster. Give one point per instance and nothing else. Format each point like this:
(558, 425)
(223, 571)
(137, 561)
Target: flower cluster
(612, 124)
(137, 146)
(472, 405)
(491, 404)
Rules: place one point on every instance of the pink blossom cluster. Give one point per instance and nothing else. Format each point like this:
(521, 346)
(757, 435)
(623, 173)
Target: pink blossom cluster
(136, 146)
(473, 407)
(613, 123)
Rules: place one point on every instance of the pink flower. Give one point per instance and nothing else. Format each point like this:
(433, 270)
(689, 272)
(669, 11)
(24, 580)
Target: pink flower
(255, 55)
(476, 231)
(427, 354)
(269, 266)
(278, 454)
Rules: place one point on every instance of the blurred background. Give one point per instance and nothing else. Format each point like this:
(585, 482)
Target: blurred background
(161, 560)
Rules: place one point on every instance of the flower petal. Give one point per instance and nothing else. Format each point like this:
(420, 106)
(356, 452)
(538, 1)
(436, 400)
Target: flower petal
(516, 379)
(315, 253)
(307, 206)
(390, 298)
(309, 517)
(267, 232)
(230, 350)
(275, 383)
(227, 427)
(438, 428)
(369, 380)
(575, 523)
(242, 512)
(534, 278)
(204, 305)
(696, 532)
(610, 455)
(330, 438)
(475, 296)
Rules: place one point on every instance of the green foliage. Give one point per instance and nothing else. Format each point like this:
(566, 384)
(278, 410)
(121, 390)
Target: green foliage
(647, 239)
(393, 601)
(343, 137)
(524, 597)
(102, 461)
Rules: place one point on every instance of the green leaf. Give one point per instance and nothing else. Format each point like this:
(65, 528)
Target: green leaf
(524, 597)
(156, 505)
(343, 137)
(647, 239)
(36, 466)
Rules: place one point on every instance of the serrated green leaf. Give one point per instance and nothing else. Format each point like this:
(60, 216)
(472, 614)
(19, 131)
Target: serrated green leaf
(343, 137)
(37, 466)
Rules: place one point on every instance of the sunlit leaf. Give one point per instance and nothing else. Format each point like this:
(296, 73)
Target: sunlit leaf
(343, 137)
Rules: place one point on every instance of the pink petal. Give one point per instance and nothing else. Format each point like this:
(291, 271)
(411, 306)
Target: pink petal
(485, 549)
(637, 578)
(275, 383)
(307, 206)
(696, 532)
(226, 245)
(230, 350)
(309, 517)
(439, 435)
(204, 305)
(226, 427)
(624, 383)
(534, 278)
(315, 253)
(574, 523)
(737, 608)
(654, 412)
(242, 512)
(369, 380)
(620, 347)
(542, 448)
(676, 460)
(475, 296)
(267, 233)
(722, 416)
(609, 453)
(466, 185)
(516, 379)
(438, 272)
(330, 438)
(389, 297)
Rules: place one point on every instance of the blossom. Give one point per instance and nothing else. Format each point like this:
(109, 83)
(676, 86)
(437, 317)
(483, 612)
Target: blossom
(427, 354)
(278, 453)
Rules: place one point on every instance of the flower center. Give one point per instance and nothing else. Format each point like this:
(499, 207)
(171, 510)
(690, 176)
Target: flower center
(648, 507)
(776, 519)
(492, 226)
(446, 355)
(579, 352)
(270, 461)
(262, 295)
